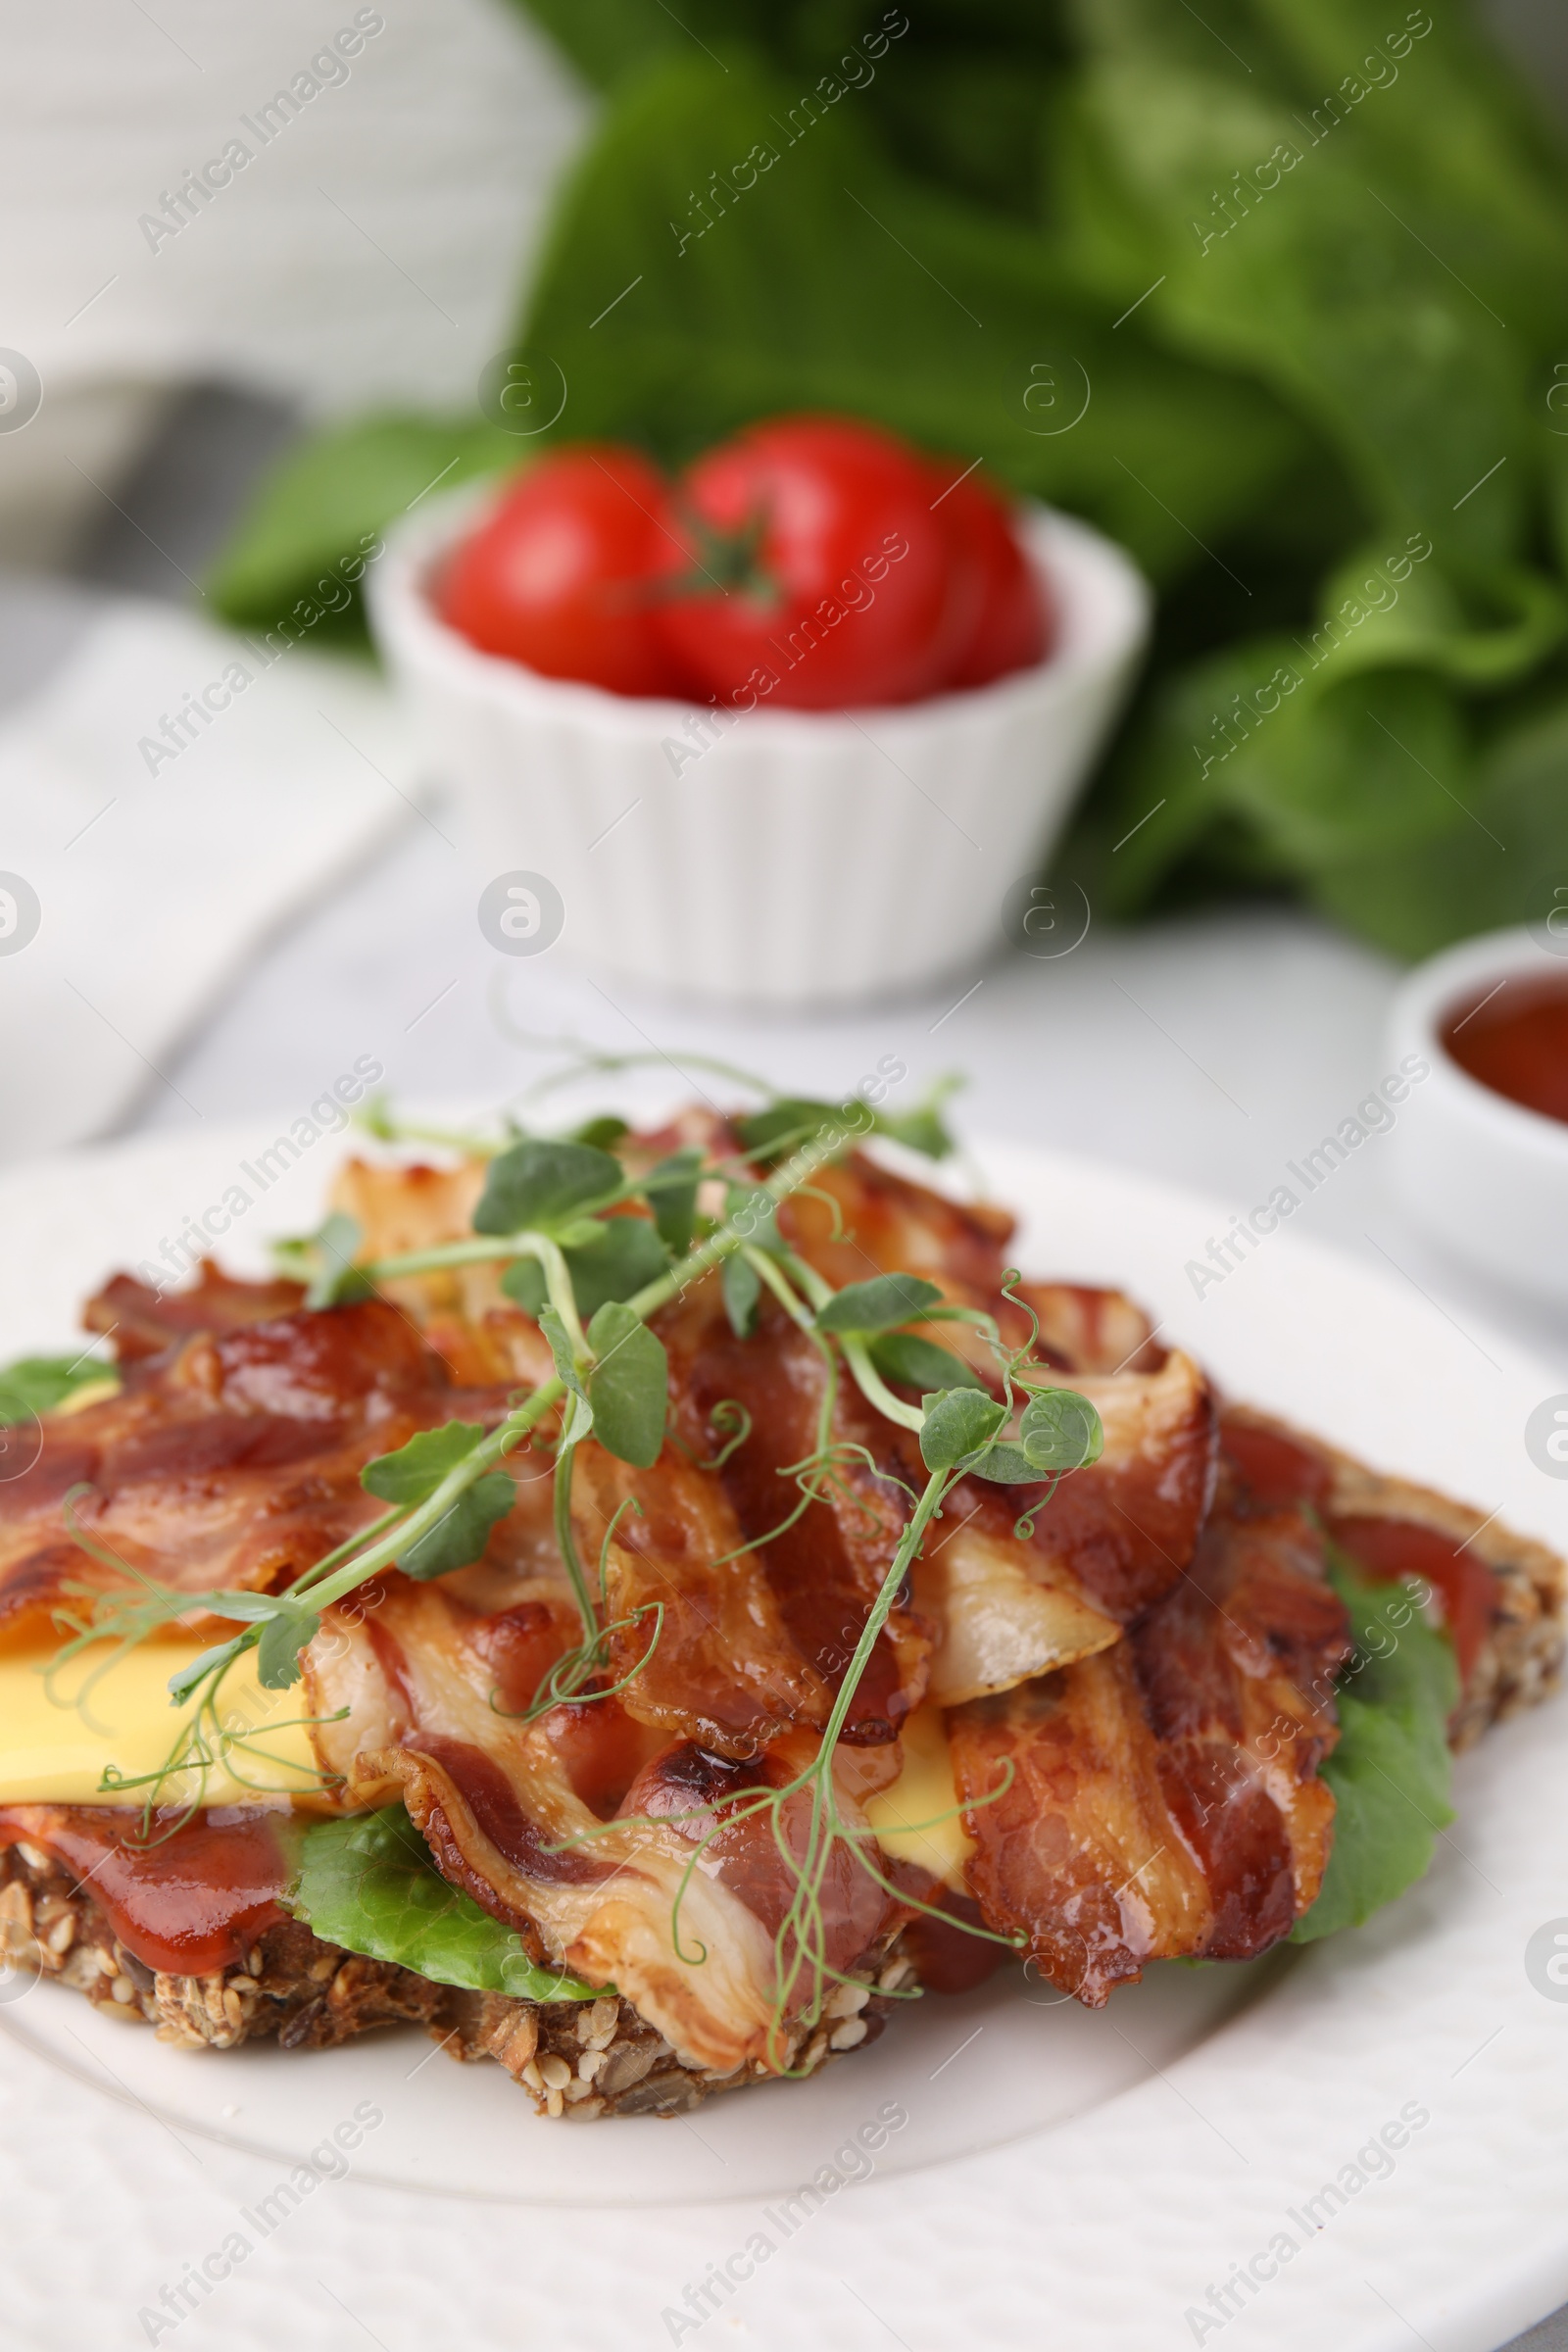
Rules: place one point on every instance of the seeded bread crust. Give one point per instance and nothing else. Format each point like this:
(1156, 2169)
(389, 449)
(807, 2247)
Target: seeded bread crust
(581, 2059)
(1521, 1660)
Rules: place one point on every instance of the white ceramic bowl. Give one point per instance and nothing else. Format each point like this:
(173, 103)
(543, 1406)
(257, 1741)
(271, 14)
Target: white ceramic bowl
(1482, 1175)
(799, 856)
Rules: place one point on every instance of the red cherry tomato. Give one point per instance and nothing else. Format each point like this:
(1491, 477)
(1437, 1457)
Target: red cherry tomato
(830, 572)
(564, 573)
(1007, 621)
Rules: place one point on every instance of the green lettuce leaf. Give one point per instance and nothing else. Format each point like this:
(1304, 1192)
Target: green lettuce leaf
(960, 92)
(37, 1384)
(304, 541)
(837, 280)
(368, 1884)
(1392, 1769)
(1264, 290)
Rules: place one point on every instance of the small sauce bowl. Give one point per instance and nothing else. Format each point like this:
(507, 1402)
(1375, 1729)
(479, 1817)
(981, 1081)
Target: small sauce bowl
(1482, 1173)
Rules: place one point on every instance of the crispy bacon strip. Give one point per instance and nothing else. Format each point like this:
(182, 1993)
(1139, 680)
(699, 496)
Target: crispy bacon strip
(690, 1789)
(1502, 1594)
(1166, 1798)
(875, 1222)
(884, 1224)
(462, 1311)
(1080, 1852)
(1118, 1534)
(825, 1571)
(233, 1459)
(725, 1671)
(1237, 1667)
(143, 1322)
(1127, 1527)
(507, 1810)
(999, 1616)
(1087, 1330)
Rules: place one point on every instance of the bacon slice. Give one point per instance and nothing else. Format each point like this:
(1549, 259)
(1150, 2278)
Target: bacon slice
(1500, 1593)
(1089, 1330)
(1079, 1851)
(1112, 1536)
(143, 1322)
(724, 1671)
(875, 1222)
(594, 1895)
(1164, 1799)
(872, 1221)
(824, 1570)
(1127, 1527)
(462, 1311)
(233, 1459)
(695, 1792)
(1237, 1667)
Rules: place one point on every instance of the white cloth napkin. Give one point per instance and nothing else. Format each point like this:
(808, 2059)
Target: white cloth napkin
(156, 847)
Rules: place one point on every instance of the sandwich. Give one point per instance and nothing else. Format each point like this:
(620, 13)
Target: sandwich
(644, 1607)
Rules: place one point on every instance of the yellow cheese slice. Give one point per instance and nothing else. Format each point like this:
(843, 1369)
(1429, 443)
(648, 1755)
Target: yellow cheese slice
(918, 1817)
(59, 1731)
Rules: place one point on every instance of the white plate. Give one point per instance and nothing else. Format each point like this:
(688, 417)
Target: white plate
(1061, 2178)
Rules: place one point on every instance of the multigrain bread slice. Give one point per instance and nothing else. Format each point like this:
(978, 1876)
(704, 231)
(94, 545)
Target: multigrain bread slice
(581, 2059)
(1520, 1655)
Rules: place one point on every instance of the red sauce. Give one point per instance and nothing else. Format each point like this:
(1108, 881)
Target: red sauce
(190, 1902)
(1515, 1040)
(1387, 1549)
